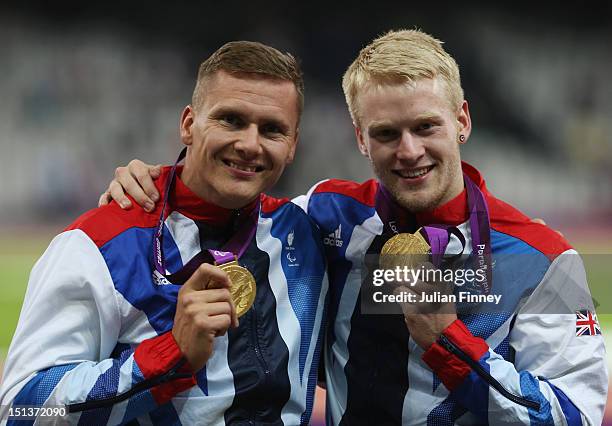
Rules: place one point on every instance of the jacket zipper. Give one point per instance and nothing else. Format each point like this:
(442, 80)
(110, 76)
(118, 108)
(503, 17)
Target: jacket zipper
(452, 348)
(256, 347)
(258, 355)
(172, 374)
(235, 219)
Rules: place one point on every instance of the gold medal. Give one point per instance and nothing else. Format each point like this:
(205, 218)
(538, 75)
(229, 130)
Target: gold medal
(412, 248)
(243, 286)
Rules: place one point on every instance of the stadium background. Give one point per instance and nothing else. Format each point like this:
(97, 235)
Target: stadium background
(86, 87)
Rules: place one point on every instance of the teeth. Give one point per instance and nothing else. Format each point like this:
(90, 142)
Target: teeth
(243, 168)
(414, 173)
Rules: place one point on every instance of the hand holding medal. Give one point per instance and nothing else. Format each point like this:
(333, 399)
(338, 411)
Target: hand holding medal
(412, 251)
(204, 310)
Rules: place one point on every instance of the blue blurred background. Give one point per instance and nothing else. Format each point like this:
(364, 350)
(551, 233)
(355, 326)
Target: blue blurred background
(86, 87)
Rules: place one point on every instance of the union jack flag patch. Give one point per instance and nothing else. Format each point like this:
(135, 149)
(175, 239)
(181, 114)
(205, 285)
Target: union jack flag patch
(587, 324)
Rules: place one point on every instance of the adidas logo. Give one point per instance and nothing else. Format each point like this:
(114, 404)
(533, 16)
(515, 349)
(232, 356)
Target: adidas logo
(159, 279)
(334, 239)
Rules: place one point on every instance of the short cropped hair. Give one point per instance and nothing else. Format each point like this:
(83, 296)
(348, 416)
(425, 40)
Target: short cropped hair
(253, 58)
(403, 56)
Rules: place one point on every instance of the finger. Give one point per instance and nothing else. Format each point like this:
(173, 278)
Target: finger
(541, 222)
(215, 295)
(219, 324)
(155, 171)
(224, 308)
(116, 192)
(104, 199)
(208, 274)
(407, 307)
(234, 314)
(132, 186)
(218, 308)
(205, 324)
(142, 173)
(215, 283)
(428, 273)
(193, 304)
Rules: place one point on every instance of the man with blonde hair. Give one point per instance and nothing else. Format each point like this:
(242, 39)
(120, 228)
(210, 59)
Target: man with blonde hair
(130, 317)
(518, 344)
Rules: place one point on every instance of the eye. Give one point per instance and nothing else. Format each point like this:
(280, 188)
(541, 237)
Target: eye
(272, 129)
(425, 127)
(385, 134)
(231, 120)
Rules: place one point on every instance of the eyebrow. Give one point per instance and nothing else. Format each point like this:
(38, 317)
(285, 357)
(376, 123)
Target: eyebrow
(379, 125)
(375, 125)
(427, 116)
(230, 109)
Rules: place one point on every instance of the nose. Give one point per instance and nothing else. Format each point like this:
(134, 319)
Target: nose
(410, 147)
(248, 143)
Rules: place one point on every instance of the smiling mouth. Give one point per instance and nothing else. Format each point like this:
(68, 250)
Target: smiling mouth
(413, 173)
(243, 167)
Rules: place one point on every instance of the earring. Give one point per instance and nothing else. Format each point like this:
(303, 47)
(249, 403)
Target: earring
(461, 138)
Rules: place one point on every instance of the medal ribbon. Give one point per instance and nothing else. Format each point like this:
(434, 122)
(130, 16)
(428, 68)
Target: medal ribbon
(232, 250)
(438, 235)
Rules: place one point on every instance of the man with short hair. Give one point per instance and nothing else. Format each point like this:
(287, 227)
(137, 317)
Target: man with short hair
(519, 361)
(535, 356)
(126, 320)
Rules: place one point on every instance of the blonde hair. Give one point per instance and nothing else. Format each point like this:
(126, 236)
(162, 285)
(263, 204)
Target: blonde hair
(253, 58)
(403, 56)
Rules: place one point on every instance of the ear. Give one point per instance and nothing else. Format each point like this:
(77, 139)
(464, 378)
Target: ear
(361, 143)
(464, 121)
(293, 147)
(187, 118)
